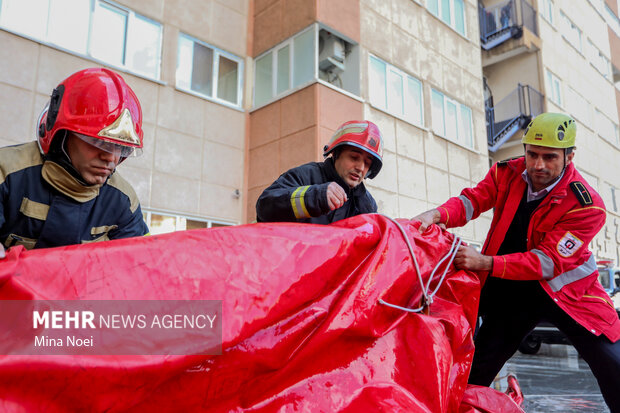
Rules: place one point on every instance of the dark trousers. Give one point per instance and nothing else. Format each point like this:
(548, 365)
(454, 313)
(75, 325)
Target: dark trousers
(511, 309)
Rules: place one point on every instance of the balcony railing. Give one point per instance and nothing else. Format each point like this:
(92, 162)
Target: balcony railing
(504, 21)
(512, 113)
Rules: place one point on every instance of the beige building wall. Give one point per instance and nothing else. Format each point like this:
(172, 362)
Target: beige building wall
(421, 169)
(194, 149)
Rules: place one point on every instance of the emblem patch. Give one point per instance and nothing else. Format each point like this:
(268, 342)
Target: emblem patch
(569, 244)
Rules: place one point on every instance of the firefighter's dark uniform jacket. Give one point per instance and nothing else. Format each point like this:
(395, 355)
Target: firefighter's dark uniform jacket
(300, 195)
(43, 205)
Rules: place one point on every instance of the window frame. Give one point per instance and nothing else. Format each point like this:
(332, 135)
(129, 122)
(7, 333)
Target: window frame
(568, 29)
(547, 8)
(447, 100)
(552, 80)
(389, 68)
(217, 53)
(148, 213)
(290, 42)
(45, 38)
(452, 23)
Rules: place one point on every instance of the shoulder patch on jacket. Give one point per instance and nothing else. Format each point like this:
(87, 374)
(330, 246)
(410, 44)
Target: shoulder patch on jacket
(125, 187)
(17, 157)
(582, 193)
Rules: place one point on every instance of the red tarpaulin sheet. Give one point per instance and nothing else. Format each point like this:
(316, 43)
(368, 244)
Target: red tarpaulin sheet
(302, 327)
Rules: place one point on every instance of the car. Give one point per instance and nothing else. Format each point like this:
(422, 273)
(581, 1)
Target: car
(545, 332)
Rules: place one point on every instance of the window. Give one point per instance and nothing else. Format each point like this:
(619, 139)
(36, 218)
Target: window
(451, 119)
(554, 88)
(394, 91)
(99, 29)
(606, 128)
(161, 223)
(208, 72)
(598, 60)
(570, 31)
(546, 10)
(452, 12)
(287, 66)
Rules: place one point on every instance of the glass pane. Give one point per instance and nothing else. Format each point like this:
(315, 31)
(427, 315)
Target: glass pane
(184, 62)
(445, 11)
(144, 46)
(377, 83)
(556, 91)
(283, 69)
(451, 123)
(263, 90)
(413, 101)
(216, 225)
(190, 224)
(108, 34)
(465, 131)
(162, 224)
(202, 70)
(26, 16)
(228, 80)
(437, 113)
(459, 17)
(303, 58)
(433, 6)
(69, 30)
(395, 93)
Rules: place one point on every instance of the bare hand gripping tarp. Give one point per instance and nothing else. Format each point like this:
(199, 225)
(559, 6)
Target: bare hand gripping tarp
(303, 329)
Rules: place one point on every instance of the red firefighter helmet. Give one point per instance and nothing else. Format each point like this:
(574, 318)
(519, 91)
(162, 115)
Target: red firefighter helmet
(97, 105)
(362, 134)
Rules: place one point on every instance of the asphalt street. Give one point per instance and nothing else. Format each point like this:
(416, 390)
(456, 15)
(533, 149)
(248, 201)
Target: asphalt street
(554, 380)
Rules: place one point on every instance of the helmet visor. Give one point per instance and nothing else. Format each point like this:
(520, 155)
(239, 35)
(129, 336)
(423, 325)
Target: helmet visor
(113, 148)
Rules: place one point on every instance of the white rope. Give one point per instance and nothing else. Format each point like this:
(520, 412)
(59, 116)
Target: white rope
(428, 298)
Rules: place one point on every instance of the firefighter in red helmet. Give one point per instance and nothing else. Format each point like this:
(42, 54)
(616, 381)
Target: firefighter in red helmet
(325, 192)
(62, 189)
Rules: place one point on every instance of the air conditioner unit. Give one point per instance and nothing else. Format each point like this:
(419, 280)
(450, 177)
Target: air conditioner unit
(331, 53)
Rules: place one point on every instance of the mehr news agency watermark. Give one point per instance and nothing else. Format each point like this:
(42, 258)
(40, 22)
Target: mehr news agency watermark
(113, 327)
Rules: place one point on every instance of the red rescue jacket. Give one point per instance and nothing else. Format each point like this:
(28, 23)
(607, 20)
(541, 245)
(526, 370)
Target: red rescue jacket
(559, 232)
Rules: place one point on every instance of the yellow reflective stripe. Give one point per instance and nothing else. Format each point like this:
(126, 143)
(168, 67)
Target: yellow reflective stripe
(298, 204)
(583, 209)
(34, 209)
(101, 230)
(600, 298)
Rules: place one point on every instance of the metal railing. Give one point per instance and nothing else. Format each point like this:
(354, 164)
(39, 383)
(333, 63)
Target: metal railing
(512, 113)
(505, 20)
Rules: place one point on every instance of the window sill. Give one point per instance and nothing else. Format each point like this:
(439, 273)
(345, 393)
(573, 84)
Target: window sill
(472, 150)
(464, 36)
(303, 86)
(210, 99)
(398, 116)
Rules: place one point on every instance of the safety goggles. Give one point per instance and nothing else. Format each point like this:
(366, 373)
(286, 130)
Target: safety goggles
(113, 148)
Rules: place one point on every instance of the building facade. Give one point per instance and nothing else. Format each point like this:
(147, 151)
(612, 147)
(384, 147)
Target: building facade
(235, 92)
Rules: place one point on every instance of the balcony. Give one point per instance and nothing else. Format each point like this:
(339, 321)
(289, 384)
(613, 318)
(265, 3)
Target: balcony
(511, 114)
(507, 29)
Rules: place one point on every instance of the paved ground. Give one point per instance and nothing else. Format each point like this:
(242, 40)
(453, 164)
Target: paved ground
(555, 380)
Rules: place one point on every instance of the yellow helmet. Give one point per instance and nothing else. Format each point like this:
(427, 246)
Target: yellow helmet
(553, 130)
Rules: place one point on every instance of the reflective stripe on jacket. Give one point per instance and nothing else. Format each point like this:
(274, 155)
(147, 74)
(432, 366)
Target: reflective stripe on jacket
(300, 195)
(36, 215)
(559, 233)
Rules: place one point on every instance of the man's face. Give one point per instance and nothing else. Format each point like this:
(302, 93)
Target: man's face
(544, 164)
(352, 165)
(94, 164)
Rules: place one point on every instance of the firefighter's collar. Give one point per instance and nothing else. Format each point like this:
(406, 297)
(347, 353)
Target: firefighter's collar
(61, 180)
